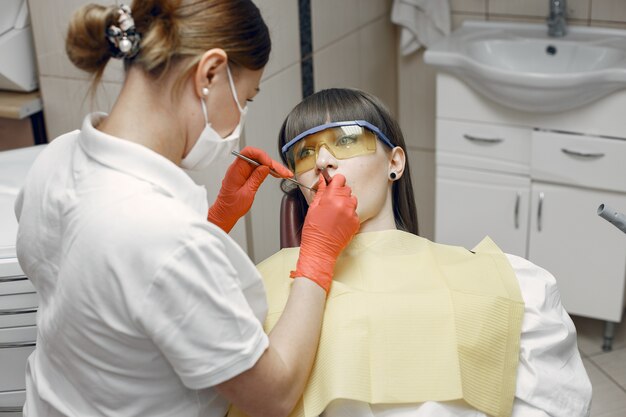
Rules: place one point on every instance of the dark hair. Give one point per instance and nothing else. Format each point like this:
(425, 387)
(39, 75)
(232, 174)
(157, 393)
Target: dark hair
(340, 104)
(172, 31)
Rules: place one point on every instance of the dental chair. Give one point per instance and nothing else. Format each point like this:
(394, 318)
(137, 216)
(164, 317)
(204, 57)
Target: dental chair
(291, 219)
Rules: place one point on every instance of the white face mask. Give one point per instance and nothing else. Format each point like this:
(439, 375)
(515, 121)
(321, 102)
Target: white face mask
(210, 146)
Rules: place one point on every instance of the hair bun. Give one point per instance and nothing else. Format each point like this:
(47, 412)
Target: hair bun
(86, 44)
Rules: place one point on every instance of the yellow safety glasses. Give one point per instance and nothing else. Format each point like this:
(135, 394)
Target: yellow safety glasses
(343, 140)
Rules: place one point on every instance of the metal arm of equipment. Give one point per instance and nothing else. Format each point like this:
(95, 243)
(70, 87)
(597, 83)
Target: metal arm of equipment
(613, 216)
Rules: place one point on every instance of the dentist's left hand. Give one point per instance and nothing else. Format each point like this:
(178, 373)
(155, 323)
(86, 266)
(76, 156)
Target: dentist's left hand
(240, 185)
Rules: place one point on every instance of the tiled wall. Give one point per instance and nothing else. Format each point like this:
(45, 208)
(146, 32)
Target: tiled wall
(416, 80)
(353, 45)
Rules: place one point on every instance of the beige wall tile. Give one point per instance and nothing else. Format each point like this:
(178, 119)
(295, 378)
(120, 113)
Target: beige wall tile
(605, 24)
(422, 166)
(338, 64)
(67, 101)
(281, 18)
(332, 20)
(472, 6)
(370, 10)
(416, 95)
(518, 19)
(576, 9)
(457, 19)
(279, 94)
(612, 10)
(50, 21)
(378, 60)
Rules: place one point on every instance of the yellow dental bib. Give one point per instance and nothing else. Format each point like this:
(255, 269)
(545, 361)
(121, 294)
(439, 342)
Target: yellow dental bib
(408, 321)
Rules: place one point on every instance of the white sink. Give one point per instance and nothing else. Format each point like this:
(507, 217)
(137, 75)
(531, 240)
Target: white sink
(519, 66)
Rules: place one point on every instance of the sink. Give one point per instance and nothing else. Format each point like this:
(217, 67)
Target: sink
(519, 66)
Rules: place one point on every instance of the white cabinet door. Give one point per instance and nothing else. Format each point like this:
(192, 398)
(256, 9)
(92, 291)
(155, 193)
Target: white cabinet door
(472, 204)
(585, 253)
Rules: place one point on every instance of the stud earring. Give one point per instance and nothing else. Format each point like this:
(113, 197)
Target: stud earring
(205, 91)
(392, 176)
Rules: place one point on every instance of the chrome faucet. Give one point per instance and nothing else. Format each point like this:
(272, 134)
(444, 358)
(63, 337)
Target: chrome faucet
(557, 25)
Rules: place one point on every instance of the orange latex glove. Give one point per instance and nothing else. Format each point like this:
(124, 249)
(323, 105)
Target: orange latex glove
(240, 185)
(328, 227)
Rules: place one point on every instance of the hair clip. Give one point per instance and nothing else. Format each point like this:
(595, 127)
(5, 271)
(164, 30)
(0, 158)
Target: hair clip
(123, 38)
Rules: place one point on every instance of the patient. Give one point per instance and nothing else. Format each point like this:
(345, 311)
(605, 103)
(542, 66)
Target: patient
(415, 328)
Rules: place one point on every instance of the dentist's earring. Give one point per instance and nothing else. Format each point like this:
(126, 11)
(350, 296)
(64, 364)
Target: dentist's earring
(205, 91)
(392, 176)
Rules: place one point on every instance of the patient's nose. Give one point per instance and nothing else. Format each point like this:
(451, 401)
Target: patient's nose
(325, 159)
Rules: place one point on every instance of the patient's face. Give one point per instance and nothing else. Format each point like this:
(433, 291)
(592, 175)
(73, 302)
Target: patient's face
(367, 176)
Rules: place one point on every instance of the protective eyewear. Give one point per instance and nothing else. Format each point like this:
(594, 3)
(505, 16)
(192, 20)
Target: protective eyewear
(343, 140)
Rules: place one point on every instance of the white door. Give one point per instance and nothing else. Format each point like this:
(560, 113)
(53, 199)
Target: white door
(472, 204)
(585, 253)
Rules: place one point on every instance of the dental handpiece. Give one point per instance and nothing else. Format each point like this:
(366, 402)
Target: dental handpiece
(614, 217)
(253, 162)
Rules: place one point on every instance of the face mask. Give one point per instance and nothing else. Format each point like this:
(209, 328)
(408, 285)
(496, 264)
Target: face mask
(210, 146)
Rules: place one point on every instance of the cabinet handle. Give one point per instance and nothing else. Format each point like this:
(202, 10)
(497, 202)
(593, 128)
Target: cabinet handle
(517, 201)
(11, 409)
(18, 311)
(13, 278)
(482, 140)
(539, 210)
(582, 154)
(11, 345)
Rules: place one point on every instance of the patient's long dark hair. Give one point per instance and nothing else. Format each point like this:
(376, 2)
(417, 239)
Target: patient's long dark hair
(341, 104)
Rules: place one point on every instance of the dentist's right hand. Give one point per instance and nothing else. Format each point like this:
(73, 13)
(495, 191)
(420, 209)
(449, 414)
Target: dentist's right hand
(330, 224)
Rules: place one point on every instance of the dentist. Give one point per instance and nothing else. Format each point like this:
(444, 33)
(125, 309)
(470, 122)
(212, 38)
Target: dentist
(145, 307)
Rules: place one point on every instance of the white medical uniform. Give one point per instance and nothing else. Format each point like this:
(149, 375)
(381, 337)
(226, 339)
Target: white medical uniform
(144, 305)
(551, 379)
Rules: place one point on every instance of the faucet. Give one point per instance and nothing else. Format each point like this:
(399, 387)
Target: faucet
(557, 25)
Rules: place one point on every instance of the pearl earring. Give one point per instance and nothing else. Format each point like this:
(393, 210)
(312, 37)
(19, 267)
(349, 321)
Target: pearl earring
(205, 91)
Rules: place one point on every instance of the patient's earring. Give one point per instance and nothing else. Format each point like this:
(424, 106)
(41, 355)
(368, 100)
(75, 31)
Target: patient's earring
(392, 176)
(205, 91)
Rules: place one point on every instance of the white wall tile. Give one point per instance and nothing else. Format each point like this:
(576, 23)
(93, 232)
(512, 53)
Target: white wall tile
(338, 64)
(378, 61)
(422, 166)
(331, 20)
(282, 20)
(613, 10)
(66, 102)
(471, 6)
(279, 94)
(576, 9)
(416, 95)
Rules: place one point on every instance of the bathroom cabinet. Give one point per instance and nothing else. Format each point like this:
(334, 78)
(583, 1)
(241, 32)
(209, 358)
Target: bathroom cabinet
(533, 182)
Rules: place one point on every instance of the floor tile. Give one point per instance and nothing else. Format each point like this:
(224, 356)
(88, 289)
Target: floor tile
(608, 397)
(614, 364)
(615, 413)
